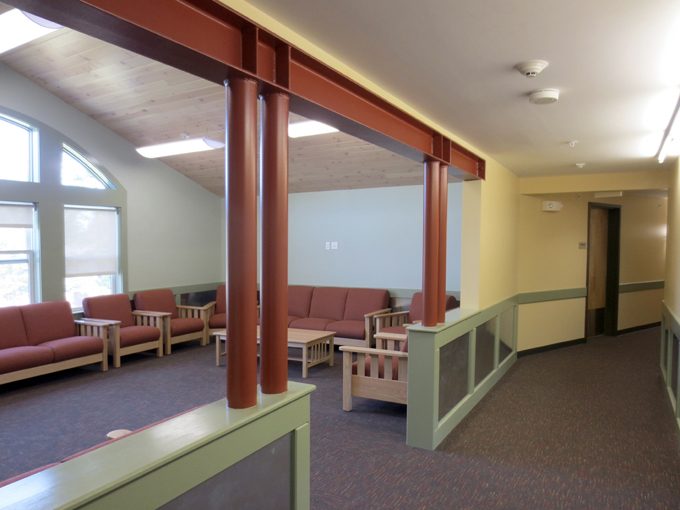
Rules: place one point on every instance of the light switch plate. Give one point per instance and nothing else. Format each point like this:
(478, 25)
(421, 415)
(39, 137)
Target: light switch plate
(328, 245)
(334, 245)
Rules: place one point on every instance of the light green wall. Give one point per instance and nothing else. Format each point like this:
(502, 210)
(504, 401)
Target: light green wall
(379, 233)
(175, 228)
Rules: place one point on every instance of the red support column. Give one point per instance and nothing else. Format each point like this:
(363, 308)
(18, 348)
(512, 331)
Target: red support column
(241, 181)
(443, 205)
(274, 285)
(430, 242)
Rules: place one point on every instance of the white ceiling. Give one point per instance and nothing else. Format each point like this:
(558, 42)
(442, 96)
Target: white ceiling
(453, 61)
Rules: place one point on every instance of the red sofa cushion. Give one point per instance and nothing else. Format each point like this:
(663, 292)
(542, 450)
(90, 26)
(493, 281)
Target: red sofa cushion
(133, 335)
(19, 358)
(219, 320)
(348, 329)
(12, 328)
(310, 323)
(328, 303)
(75, 347)
(415, 311)
(184, 326)
(48, 321)
(299, 299)
(158, 300)
(115, 307)
(362, 301)
(221, 299)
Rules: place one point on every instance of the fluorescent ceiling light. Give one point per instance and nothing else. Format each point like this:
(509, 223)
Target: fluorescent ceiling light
(309, 128)
(179, 147)
(671, 139)
(17, 28)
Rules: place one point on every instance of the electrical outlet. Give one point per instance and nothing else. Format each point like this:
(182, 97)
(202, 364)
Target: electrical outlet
(582, 245)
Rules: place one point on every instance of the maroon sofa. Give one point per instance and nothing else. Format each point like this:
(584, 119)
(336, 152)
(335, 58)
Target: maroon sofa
(347, 311)
(43, 338)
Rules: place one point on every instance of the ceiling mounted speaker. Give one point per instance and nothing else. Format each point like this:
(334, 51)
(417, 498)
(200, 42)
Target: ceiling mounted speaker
(544, 96)
(531, 68)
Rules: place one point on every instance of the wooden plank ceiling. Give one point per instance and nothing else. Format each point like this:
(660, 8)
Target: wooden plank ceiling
(147, 102)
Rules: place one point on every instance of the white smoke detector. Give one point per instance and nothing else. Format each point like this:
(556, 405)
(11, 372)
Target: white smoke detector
(544, 96)
(531, 68)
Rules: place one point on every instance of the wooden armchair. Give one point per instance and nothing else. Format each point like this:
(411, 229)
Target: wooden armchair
(128, 332)
(379, 374)
(182, 323)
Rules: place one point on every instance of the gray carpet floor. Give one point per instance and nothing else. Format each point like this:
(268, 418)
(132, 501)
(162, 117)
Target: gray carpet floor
(587, 426)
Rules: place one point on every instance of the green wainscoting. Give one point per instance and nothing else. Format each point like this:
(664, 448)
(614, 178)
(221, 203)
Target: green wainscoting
(437, 378)
(155, 466)
(670, 357)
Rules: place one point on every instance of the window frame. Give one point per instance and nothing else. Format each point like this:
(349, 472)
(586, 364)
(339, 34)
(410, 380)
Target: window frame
(33, 147)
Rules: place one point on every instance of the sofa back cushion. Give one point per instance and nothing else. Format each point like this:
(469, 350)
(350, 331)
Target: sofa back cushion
(12, 332)
(47, 321)
(115, 307)
(328, 303)
(417, 303)
(415, 312)
(299, 299)
(158, 300)
(221, 299)
(362, 301)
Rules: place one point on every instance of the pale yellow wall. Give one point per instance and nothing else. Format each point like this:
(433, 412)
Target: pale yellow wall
(497, 235)
(639, 308)
(550, 322)
(672, 289)
(614, 181)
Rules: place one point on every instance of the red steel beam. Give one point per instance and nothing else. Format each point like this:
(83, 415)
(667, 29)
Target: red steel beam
(274, 197)
(205, 38)
(441, 265)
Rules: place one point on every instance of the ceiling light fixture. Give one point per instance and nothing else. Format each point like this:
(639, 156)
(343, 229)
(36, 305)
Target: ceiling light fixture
(544, 96)
(309, 128)
(179, 147)
(17, 28)
(580, 165)
(670, 143)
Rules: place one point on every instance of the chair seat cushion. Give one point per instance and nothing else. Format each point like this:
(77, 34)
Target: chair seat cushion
(310, 323)
(381, 367)
(133, 335)
(19, 358)
(12, 327)
(74, 347)
(348, 329)
(184, 326)
(219, 320)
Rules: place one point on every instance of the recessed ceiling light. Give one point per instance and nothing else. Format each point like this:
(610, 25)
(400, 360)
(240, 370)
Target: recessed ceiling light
(17, 28)
(580, 165)
(179, 147)
(309, 128)
(544, 96)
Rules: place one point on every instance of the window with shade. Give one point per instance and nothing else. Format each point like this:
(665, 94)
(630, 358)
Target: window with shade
(17, 254)
(91, 252)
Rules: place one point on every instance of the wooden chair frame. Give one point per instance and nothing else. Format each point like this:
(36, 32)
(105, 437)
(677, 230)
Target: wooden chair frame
(188, 312)
(371, 385)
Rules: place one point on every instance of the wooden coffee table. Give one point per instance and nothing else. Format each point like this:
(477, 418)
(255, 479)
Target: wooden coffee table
(316, 346)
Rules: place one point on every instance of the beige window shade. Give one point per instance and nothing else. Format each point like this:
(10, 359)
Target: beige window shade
(91, 241)
(16, 215)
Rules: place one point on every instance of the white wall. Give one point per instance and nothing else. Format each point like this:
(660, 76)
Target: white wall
(175, 230)
(379, 233)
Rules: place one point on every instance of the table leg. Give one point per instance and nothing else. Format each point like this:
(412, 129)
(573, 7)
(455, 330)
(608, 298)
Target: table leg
(217, 350)
(332, 353)
(304, 360)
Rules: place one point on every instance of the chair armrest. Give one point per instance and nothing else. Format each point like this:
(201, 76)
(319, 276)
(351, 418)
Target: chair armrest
(149, 313)
(149, 318)
(104, 329)
(378, 312)
(370, 351)
(195, 312)
(369, 325)
(385, 320)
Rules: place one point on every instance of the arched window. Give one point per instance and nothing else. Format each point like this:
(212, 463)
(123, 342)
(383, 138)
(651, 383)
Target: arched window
(76, 170)
(17, 140)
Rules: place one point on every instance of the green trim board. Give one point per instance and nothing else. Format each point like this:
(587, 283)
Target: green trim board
(154, 466)
(551, 295)
(640, 286)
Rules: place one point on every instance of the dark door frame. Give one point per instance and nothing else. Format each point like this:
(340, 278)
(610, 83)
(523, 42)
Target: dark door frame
(611, 315)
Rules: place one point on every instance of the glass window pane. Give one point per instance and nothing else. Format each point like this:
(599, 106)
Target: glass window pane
(12, 239)
(79, 287)
(15, 147)
(77, 171)
(15, 279)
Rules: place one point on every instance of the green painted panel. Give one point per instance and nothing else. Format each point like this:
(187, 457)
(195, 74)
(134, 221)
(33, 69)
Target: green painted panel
(551, 295)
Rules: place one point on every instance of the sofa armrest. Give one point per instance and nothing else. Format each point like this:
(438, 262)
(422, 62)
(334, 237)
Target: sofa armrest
(104, 329)
(153, 319)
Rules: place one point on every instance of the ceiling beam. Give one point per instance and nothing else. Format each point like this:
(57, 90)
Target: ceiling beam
(207, 39)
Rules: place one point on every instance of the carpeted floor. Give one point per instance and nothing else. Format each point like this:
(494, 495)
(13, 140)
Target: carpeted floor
(588, 426)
